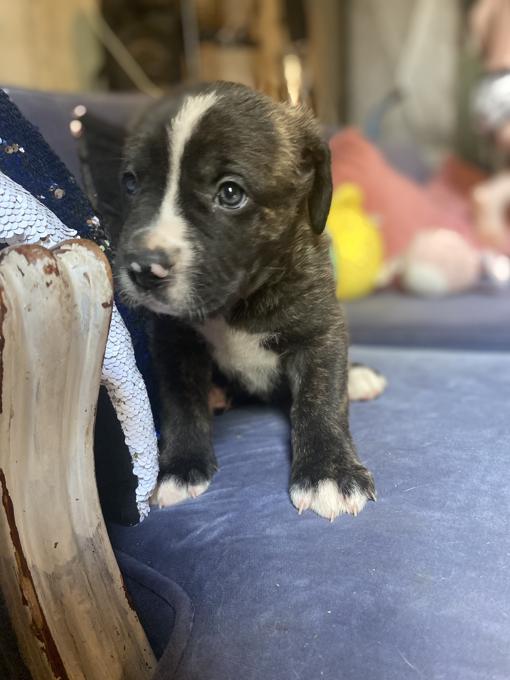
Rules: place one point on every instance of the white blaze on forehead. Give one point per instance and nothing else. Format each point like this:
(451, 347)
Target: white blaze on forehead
(169, 230)
(181, 129)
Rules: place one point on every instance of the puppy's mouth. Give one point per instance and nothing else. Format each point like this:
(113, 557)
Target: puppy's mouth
(174, 294)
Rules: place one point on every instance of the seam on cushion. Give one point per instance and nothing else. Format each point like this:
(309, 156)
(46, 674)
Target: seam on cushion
(147, 577)
(158, 674)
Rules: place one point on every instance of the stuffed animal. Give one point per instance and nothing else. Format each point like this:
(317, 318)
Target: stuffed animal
(438, 262)
(432, 239)
(356, 244)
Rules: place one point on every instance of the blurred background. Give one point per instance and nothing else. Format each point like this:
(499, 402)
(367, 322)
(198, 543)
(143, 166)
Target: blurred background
(413, 96)
(344, 57)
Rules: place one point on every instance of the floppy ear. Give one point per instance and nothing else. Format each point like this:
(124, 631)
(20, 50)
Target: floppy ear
(319, 197)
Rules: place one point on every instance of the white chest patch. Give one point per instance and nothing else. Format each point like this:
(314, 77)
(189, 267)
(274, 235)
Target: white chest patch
(242, 355)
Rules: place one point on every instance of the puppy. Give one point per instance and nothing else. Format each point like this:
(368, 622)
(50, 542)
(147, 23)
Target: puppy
(227, 195)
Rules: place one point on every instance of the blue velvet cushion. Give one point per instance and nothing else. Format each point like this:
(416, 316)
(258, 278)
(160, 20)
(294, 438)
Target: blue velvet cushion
(416, 586)
(479, 320)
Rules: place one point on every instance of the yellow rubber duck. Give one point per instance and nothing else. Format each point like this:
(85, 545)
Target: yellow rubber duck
(357, 247)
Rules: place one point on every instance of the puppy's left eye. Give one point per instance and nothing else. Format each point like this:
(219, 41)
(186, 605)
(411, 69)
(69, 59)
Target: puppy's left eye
(231, 196)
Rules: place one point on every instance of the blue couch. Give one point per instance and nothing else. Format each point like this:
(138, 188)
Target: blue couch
(235, 584)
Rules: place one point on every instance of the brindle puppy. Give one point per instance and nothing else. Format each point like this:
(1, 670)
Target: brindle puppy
(227, 195)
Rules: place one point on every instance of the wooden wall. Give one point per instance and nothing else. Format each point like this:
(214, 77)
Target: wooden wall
(48, 44)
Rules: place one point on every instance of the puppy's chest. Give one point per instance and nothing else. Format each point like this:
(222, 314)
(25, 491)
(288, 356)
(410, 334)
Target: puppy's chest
(243, 356)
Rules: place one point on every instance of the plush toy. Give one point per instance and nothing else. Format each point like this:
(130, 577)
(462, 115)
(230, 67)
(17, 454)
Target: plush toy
(439, 262)
(434, 243)
(356, 244)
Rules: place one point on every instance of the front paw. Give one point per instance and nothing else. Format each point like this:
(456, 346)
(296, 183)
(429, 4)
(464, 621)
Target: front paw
(346, 492)
(182, 478)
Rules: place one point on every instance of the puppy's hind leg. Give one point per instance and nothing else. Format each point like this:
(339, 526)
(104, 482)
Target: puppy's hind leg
(219, 401)
(365, 383)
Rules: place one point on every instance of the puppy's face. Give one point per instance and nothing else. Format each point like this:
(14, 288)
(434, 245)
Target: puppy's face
(212, 193)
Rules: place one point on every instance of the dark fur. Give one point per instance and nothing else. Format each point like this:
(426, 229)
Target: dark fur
(265, 268)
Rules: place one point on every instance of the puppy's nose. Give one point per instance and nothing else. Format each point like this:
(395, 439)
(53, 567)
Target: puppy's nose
(149, 269)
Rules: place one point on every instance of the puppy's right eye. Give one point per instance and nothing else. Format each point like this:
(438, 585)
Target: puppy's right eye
(230, 195)
(129, 182)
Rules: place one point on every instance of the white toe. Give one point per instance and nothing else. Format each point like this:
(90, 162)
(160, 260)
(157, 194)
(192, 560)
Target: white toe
(327, 500)
(365, 383)
(172, 491)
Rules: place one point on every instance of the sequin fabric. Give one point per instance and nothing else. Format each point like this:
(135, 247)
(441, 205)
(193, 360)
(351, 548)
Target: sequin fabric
(41, 202)
(127, 391)
(28, 160)
(24, 220)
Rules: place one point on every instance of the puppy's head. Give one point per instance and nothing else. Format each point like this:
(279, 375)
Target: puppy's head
(213, 190)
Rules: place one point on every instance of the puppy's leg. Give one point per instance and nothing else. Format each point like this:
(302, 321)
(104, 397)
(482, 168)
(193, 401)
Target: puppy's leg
(219, 401)
(327, 475)
(187, 460)
(365, 383)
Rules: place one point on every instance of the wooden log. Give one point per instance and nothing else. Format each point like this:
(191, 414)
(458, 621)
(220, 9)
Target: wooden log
(59, 578)
(228, 62)
(272, 41)
(40, 49)
(11, 663)
(327, 20)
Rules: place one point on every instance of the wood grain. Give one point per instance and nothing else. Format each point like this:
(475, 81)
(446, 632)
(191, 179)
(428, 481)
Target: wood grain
(59, 578)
